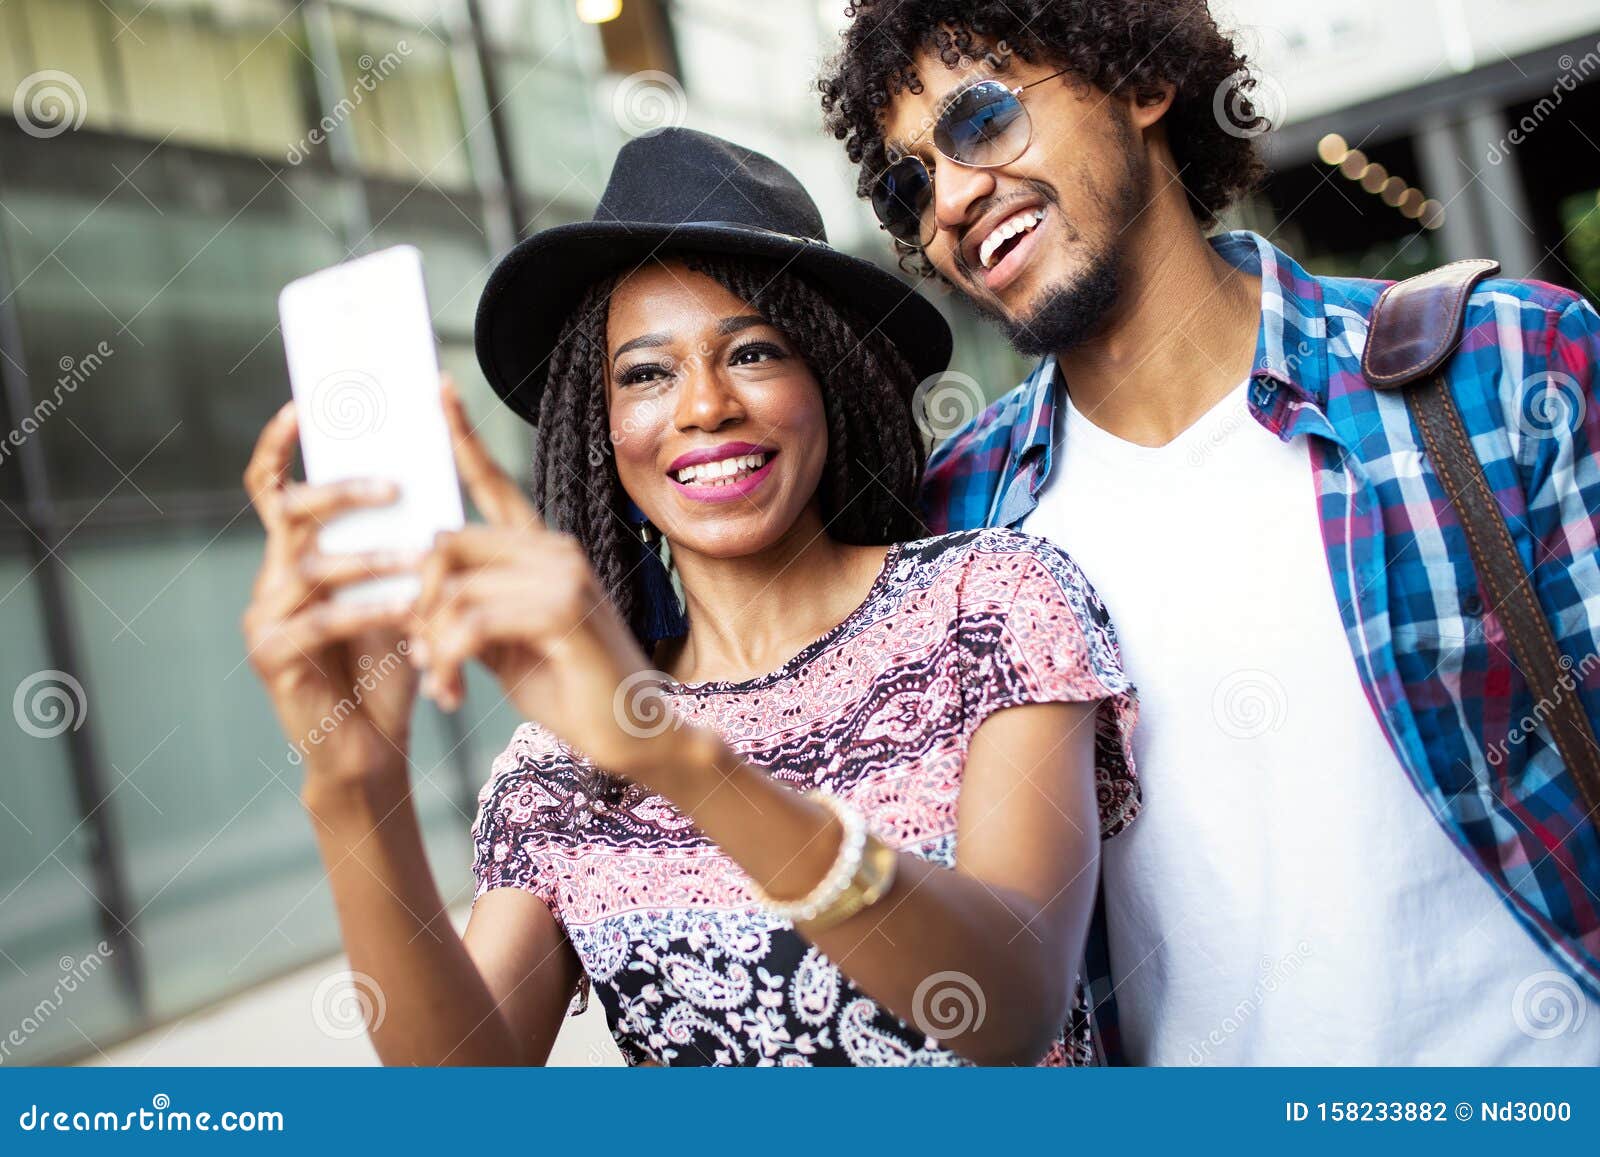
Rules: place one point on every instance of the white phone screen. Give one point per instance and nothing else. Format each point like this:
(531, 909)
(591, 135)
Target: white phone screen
(365, 376)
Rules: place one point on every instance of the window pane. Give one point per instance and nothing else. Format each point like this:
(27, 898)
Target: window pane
(222, 863)
(430, 16)
(16, 59)
(401, 101)
(176, 267)
(561, 144)
(528, 25)
(229, 76)
(17, 429)
(65, 39)
(449, 231)
(508, 438)
(52, 972)
(268, 77)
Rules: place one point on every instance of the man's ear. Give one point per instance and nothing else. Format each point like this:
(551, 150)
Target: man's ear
(1149, 104)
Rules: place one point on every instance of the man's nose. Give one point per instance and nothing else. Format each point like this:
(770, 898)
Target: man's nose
(955, 189)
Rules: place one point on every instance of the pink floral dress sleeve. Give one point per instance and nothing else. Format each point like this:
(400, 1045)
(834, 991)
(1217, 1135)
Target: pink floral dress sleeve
(1033, 630)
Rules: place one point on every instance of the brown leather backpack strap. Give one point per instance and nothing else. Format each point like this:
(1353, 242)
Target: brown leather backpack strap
(1416, 325)
(1414, 329)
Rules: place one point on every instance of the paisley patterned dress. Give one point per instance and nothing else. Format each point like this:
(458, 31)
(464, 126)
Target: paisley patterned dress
(881, 710)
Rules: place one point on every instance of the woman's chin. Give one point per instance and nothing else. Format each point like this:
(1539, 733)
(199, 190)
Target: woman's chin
(726, 534)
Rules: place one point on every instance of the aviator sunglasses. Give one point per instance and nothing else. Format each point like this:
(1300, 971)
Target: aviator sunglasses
(982, 126)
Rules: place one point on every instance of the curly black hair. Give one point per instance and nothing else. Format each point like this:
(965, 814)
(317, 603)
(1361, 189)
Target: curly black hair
(875, 450)
(1117, 46)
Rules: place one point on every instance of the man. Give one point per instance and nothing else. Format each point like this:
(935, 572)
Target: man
(1359, 843)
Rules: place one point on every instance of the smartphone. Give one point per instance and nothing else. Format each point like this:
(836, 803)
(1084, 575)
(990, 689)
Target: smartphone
(364, 371)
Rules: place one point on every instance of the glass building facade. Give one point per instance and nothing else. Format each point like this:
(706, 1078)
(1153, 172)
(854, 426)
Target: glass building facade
(165, 168)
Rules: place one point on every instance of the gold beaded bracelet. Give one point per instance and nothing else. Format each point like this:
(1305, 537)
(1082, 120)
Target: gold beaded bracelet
(861, 873)
(871, 880)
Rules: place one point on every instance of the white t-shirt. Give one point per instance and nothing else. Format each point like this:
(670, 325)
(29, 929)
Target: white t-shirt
(1285, 897)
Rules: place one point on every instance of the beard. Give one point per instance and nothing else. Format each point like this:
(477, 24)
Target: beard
(1069, 313)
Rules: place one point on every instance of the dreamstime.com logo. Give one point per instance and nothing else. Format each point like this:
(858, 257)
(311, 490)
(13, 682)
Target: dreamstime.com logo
(1574, 73)
(160, 1117)
(1248, 104)
(348, 404)
(1249, 704)
(373, 672)
(49, 703)
(49, 103)
(649, 102)
(1567, 683)
(1550, 405)
(645, 415)
(74, 973)
(945, 402)
(641, 706)
(1549, 1004)
(348, 1004)
(1261, 392)
(74, 372)
(948, 1004)
(1275, 973)
(373, 72)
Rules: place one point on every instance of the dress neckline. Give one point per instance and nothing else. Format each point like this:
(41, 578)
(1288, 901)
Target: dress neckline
(805, 654)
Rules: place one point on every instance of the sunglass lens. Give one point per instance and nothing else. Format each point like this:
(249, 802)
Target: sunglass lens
(985, 125)
(903, 199)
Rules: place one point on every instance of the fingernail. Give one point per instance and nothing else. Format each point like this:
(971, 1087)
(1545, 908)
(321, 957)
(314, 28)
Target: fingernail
(418, 653)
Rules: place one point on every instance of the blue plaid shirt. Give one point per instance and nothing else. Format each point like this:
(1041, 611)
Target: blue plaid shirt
(1432, 655)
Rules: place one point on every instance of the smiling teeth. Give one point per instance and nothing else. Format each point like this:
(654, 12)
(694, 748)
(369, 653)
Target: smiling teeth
(722, 471)
(1007, 229)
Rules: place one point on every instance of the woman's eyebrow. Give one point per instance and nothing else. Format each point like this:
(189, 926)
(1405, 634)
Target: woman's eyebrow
(726, 326)
(640, 342)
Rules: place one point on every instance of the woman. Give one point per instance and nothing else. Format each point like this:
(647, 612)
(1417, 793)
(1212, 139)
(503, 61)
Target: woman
(842, 805)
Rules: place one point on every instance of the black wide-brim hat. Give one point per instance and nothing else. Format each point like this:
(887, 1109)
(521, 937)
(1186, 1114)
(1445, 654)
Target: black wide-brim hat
(671, 192)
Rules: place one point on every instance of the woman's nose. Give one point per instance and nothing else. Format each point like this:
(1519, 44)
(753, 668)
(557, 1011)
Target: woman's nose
(706, 399)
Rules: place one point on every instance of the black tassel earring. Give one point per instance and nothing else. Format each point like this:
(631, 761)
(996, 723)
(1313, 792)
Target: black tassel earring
(664, 616)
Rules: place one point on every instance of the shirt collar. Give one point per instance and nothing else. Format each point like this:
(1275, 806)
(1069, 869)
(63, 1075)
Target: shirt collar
(1293, 329)
(1036, 435)
(1290, 345)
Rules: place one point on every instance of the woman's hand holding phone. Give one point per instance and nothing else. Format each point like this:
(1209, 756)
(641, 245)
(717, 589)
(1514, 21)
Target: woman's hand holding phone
(336, 670)
(524, 600)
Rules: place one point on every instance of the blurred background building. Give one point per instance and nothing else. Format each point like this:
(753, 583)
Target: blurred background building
(167, 165)
(1477, 119)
